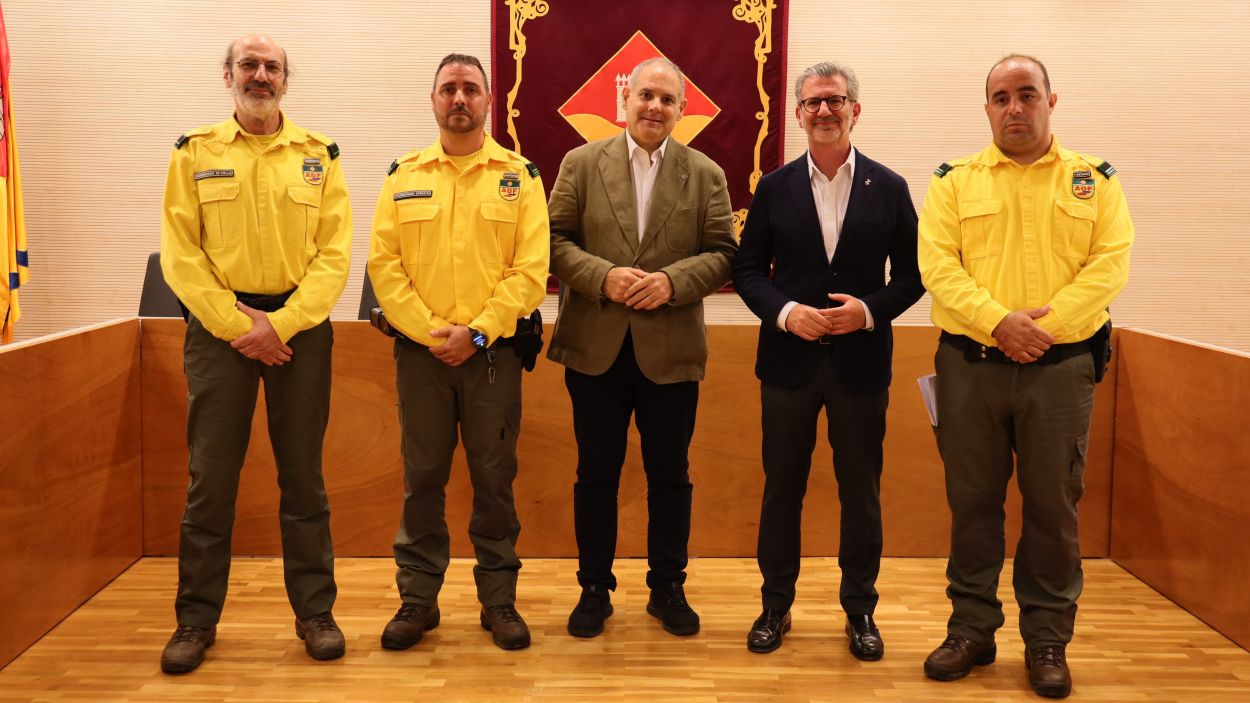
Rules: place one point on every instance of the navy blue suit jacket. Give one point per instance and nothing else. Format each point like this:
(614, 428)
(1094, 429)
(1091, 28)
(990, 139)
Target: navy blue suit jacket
(782, 258)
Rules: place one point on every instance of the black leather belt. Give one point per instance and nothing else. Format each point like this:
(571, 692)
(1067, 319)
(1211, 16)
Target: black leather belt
(975, 351)
(264, 303)
(501, 342)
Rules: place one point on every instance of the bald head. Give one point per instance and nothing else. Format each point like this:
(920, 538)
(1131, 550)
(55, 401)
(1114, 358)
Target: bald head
(1015, 59)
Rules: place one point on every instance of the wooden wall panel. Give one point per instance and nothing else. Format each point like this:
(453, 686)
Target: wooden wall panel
(69, 475)
(363, 474)
(1182, 493)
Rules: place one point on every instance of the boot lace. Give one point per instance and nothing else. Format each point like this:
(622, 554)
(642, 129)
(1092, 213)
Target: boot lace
(187, 633)
(505, 613)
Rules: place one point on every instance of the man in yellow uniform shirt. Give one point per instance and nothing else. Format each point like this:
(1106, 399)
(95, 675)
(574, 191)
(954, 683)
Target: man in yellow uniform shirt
(459, 252)
(1022, 246)
(255, 242)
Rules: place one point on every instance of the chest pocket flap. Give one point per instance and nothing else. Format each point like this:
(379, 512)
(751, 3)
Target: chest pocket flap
(417, 232)
(502, 218)
(222, 218)
(1073, 229)
(981, 225)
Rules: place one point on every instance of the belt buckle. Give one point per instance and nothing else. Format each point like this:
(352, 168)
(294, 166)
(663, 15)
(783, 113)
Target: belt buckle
(825, 339)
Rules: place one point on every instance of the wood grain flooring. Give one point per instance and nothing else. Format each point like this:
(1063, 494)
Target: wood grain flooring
(1132, 644)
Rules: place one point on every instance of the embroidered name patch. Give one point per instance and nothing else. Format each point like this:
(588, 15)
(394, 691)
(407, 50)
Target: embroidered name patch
(408, 194)
(214, 173)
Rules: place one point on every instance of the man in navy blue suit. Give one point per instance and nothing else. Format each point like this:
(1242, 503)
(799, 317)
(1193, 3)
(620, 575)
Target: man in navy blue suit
(812, 266)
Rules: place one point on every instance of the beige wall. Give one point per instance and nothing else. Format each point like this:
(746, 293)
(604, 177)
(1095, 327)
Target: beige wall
(1154, 87)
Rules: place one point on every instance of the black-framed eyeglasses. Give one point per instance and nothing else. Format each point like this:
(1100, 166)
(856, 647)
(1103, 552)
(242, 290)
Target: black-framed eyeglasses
(272, 68)
(835, 103)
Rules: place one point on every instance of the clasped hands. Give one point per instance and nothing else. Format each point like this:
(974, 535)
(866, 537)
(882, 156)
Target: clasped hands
(1020, 338)
(810, 323)
(262, 342)
(636, 288)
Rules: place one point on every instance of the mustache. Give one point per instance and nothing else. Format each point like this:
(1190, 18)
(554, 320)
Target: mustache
(262, 85)
(460, 110)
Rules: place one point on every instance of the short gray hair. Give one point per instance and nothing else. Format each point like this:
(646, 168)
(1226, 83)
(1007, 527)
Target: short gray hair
(660, 60)
(828, 69)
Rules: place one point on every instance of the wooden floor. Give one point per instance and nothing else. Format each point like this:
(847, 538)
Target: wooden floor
(1132, 644)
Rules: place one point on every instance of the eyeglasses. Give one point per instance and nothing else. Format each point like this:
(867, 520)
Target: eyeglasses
(835, 103)
(251, 65)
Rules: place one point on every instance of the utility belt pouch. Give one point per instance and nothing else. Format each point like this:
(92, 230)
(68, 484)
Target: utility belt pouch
(1100, 347)
(528, 340)
(377, 318)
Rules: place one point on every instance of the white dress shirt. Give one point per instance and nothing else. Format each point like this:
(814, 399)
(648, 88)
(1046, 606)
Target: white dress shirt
(832, 196)
(644, 167)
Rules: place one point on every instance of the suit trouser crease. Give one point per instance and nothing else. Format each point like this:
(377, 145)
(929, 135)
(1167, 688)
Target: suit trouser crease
(665, 417)
(222, 390)
(1033, 419)
(856, 428)
(435, 402)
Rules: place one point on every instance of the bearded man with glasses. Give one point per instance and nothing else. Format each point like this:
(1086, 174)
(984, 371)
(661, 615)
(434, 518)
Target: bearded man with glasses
(255, 242)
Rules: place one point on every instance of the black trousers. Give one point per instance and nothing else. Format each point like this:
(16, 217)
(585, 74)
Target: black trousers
(665, 414)
(856, 431)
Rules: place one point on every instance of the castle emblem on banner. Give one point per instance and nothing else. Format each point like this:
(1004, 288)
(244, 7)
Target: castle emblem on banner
(597, 109)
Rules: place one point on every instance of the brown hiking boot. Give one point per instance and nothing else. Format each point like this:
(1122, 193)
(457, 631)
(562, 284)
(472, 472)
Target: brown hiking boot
(409, 624)
(1048, 671)
(506, 627)
(956, 656)
(322, 637)
(185, 649)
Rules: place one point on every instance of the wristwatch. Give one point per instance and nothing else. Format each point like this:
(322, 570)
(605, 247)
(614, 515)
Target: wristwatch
(479, 339)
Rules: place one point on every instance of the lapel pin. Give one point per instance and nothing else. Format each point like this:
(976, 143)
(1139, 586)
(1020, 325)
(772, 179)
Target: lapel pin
(867, 181)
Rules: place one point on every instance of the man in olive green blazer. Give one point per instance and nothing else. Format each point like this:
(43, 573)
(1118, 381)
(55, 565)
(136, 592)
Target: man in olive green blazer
(641, 232)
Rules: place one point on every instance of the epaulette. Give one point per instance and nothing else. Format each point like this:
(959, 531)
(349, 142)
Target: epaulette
(331, 146)
(529, 166)
(393, 168)
(1106, 169)
(182, 140)
(942, 170)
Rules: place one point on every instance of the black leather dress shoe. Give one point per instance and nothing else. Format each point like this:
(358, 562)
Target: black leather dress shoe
(765, 634)
(866, 643)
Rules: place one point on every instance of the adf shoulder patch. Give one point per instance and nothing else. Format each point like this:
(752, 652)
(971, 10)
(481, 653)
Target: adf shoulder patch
(1083, 184)
(510, 186)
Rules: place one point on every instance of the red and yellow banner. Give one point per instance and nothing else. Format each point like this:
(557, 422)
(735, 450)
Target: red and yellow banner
(559, 66)
(13, 242)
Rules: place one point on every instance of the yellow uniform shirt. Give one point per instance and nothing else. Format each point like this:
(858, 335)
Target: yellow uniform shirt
(256, 215)
(996, 237)
(460, 248)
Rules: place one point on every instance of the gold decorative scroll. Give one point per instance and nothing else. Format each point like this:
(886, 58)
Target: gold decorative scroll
(522, 10)
(759, 13)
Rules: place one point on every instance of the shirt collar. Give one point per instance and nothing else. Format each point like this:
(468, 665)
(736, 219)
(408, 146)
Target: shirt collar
(288, 131)
(490, 151)
(849, 163)
(631, 147)
(995, 156)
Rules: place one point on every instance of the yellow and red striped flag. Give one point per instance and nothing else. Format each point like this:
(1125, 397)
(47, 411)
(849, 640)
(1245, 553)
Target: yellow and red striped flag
(13, 244)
